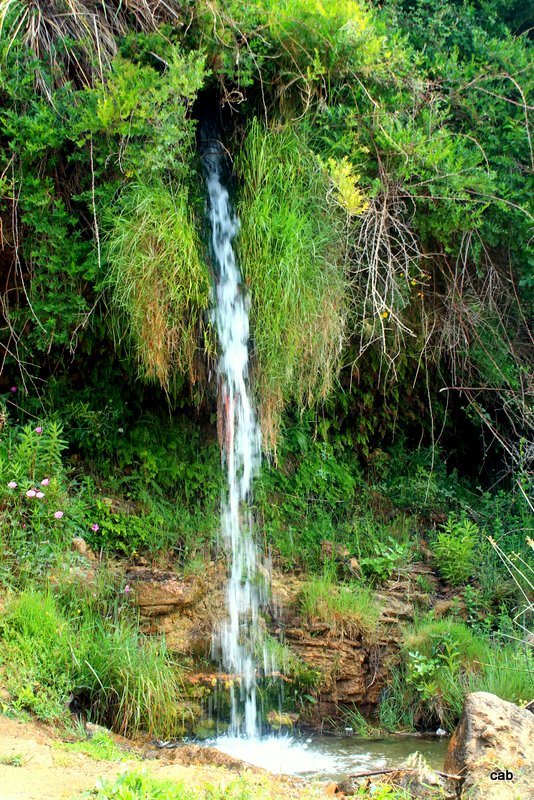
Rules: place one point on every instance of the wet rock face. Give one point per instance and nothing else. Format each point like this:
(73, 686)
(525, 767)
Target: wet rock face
(493, 747)
(352, 670)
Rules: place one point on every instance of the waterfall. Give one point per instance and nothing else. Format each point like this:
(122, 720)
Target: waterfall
(238, 641)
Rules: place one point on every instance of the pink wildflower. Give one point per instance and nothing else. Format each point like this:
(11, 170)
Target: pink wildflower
(94, 527)
(39, 494)
(31, 493)
(58, 514)
(38, 429)
(126, 589)
(13, 389)
(12, 485)
(45, 481)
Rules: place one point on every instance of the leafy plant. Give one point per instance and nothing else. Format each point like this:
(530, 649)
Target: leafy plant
(389, 555)
(454, 549)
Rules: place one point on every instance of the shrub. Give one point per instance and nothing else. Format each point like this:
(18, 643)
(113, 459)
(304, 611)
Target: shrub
(454, 549)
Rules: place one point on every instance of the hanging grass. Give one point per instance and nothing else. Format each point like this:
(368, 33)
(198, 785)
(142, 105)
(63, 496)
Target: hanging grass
(78, 38)
(159, 283)
(291, 249)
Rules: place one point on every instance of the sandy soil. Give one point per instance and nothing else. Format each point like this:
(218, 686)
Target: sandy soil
(50, 773)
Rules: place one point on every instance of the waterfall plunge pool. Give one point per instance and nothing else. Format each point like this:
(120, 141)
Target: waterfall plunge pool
(330, 757)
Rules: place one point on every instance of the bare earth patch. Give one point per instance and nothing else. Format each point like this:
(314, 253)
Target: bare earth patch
(49, 773)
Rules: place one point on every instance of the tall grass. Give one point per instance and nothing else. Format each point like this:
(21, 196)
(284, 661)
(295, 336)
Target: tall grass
(350, 609)
(124, 680)
(159, 281)
(442, 662)
(291, 249)
(130, 681)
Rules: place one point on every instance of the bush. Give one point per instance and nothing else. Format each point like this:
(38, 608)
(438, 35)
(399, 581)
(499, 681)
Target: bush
(454, 549)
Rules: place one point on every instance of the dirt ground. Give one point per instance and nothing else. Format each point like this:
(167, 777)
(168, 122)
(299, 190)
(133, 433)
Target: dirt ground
(51, 773)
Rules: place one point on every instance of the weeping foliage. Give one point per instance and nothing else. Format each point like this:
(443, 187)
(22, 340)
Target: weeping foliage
(159, 283)
(291, 249)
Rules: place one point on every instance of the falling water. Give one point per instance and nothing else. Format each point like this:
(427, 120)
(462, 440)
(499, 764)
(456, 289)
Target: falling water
(237, 643)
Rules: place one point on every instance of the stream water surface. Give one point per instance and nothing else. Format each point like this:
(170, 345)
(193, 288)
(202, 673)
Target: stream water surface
(331, 757)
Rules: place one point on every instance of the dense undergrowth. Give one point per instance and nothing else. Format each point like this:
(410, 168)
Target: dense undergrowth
(382, 156)
(322, 514)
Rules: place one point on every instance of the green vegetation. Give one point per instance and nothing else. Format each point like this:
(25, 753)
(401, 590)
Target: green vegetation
(381, 158)
(142, 786)
(442, 661)
(50, 656)
(454, 550)
(160, 285)
(291, 246)
(12, 761)
(347, 609)
(101, 747)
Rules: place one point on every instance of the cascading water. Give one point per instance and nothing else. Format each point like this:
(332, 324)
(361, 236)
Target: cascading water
(238, 642)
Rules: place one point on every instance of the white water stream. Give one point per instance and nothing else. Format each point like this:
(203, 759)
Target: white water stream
(238, 642)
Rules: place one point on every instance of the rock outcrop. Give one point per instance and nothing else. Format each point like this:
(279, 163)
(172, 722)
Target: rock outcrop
(493, 749)
(159, 593)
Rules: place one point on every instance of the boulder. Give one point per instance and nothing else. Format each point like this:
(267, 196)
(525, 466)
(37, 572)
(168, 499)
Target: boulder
(493, 749)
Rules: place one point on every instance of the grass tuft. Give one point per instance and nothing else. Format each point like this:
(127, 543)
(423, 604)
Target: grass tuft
(126, 681)
(159, 282)
(291, 250)
(349, 609)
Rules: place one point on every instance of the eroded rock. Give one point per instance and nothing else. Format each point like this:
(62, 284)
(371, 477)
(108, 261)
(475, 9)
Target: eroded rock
(157, 593)
(493, 749)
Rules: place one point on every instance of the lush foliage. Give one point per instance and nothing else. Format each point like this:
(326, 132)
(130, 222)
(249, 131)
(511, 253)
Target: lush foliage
(291, 253)
(442, 661)
(52, 653)
(382, 156)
